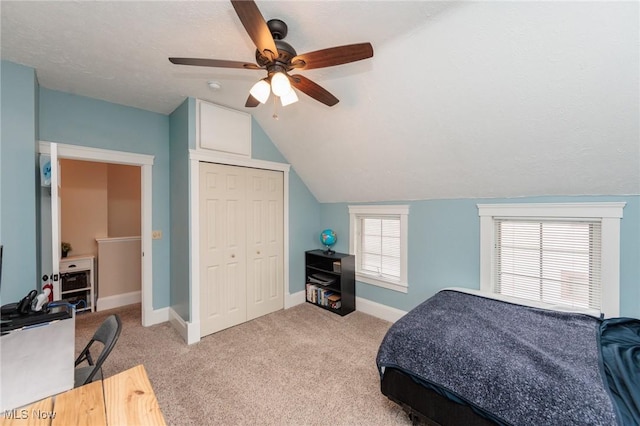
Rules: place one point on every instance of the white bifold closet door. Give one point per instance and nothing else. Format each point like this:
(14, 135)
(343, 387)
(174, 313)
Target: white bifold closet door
(241, 245)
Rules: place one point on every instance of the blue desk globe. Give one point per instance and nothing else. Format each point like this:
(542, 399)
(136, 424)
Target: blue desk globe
(328, 238)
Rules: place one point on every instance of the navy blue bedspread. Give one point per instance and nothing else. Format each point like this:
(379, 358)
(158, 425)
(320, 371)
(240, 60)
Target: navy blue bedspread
(513, 364)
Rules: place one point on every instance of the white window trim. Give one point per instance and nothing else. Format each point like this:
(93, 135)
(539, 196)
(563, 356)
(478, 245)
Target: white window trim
(380, 210)
(609, 213)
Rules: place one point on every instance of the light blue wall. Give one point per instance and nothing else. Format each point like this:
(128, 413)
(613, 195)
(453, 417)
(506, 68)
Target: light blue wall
(18, 171)
(304, 209)
(182, 137)
(78, 120)
(444, 247)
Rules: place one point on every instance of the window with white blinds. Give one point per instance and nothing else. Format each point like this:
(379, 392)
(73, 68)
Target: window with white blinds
(379, 242)
(554, 261)
(564, 254)
(380, 247)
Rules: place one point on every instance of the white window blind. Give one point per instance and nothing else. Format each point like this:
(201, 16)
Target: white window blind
(380, 247)
(378, 237)
(555, 261)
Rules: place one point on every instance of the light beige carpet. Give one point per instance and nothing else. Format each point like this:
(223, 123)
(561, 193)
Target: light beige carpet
(300, 366)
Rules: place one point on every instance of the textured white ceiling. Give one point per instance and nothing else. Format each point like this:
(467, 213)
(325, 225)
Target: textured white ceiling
(477, 99)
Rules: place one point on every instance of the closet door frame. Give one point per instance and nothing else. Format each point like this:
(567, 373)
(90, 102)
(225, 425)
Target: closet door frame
(195, 157)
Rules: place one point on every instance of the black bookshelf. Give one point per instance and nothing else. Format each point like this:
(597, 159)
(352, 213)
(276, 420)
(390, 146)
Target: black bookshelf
(331, 281)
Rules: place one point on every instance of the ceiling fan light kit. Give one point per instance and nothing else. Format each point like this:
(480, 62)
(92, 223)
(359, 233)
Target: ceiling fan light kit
(278, 58)
(261, 91)
(289, 98)
(280, 84)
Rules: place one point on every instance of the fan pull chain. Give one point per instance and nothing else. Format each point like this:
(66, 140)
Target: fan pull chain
(275, 108)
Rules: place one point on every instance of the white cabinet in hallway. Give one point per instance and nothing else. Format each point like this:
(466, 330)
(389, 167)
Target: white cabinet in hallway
(77, 281)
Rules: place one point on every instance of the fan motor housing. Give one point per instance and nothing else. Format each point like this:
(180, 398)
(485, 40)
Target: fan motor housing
(278, 28)
(286, 52)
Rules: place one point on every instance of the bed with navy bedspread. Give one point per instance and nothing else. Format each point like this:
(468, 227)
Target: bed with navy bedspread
(513, 364)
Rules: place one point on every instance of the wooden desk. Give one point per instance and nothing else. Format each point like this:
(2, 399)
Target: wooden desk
(36, 414)
(129, 399)
(126, 398)
(81, 406)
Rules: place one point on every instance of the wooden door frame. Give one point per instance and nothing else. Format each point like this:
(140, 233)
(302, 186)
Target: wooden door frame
(145, 162)
(195, 157)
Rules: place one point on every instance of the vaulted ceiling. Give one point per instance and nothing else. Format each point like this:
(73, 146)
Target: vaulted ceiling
(461, 99)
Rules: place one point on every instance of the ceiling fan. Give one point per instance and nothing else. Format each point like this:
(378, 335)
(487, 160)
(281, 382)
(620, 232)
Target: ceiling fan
(278, 58)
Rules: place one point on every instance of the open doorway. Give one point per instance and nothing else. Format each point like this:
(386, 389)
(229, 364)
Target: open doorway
(100, 218)
(145, 163)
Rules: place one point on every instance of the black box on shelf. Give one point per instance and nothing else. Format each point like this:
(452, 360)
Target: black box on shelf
(74, 280)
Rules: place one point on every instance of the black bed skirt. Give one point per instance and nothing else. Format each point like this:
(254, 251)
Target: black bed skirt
(425, 405)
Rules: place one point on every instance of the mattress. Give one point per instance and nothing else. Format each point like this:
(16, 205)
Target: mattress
(503, 362)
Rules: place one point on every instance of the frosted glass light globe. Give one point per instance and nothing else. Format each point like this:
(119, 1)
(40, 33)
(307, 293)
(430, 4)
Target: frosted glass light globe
(261, 91)
(289, 98)
(280, 84)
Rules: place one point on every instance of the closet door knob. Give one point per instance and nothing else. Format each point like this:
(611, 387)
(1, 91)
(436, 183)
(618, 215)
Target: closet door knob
(258, 251)
(233, 256)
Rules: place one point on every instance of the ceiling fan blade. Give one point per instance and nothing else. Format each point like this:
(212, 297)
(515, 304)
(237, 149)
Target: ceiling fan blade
(314, 90)
(219, 63)
(256, 27)
(332, 56)
(251, 102)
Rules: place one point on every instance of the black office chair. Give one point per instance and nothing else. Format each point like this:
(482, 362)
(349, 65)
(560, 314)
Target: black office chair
(107, 334)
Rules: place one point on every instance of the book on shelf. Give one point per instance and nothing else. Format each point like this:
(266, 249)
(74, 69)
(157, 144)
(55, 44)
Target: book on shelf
(334, 297)
(321, 296)
(333, 301)
(311, 292)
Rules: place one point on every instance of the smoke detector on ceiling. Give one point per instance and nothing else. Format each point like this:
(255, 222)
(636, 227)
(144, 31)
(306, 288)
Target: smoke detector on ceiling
(214, 85)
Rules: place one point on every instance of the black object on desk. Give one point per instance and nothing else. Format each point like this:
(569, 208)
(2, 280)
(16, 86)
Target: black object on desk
(12, 322)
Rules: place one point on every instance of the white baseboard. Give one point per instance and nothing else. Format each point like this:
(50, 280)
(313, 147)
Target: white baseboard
(189, 331)
(193, 332)
(365, 306)
(294, 299)
(118, 300)
(379, 310)
(155, 316)
(178, 323)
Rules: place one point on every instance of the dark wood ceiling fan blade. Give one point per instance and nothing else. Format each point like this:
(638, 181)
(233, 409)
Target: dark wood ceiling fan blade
(256, 26)
(251, 102)
(314, 90)
(333, 56)
(219, 63)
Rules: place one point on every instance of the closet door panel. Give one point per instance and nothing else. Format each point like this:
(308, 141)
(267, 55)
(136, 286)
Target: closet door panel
(255, 292)
(265, 248)
(222, 247)
(235, 299)
(213, 294)
(274, 285)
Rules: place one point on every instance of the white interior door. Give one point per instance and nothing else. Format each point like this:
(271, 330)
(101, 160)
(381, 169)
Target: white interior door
(222, 247)
(55, 220)
(264, 242)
